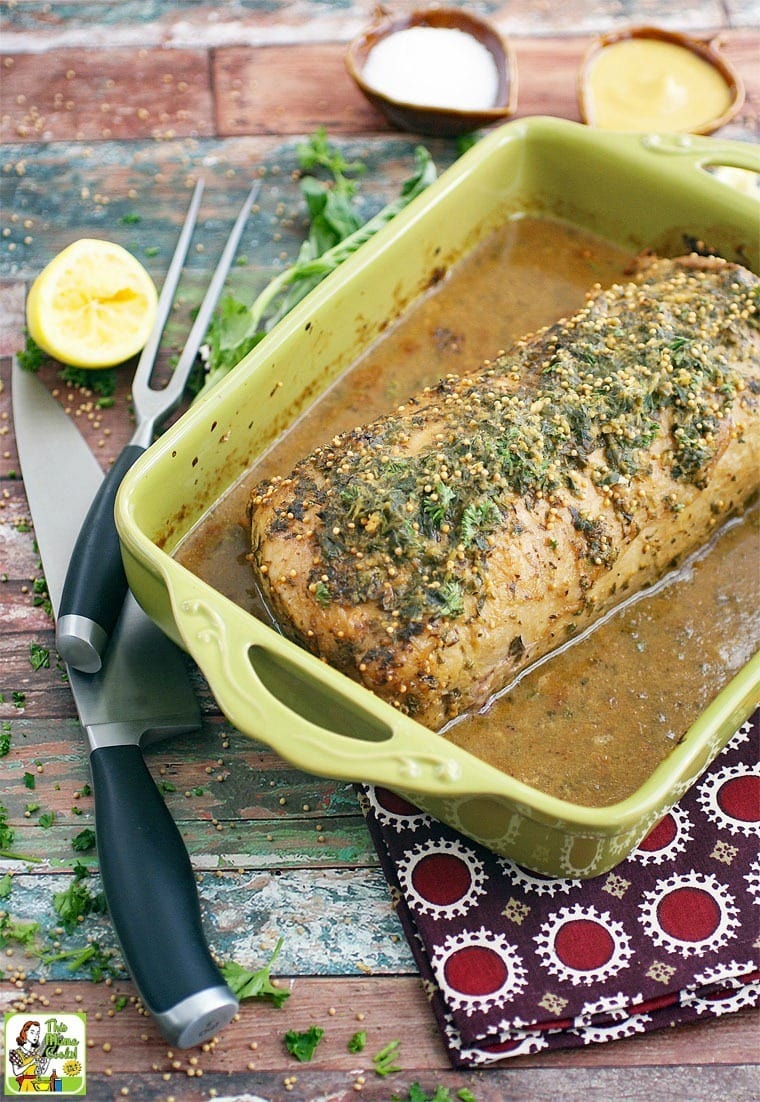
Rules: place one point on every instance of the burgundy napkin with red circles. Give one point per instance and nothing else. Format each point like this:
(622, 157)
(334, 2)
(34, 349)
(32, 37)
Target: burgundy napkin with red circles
(518, 963)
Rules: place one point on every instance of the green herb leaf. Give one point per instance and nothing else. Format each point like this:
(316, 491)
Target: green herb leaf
(440, 1094)
(46, 819)
(450, 598)
(255, 985)
(6, 832)
(84, 841)
(5, 739)
(335, 232)
(7, 836)
(358, 1041)
(98, 963)
(303, 1045)
(32, 357)
(17, 932)
(40, 596)
(384, 1059)
(317, 152)
(29, 780)
(100, 380)
(6, 886)
(477, 520)
(74, 904)
(322, 594)
(39, 656)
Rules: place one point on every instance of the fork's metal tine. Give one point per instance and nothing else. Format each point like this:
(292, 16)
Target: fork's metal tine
(200, 326)
(148, 356)
(95, 583)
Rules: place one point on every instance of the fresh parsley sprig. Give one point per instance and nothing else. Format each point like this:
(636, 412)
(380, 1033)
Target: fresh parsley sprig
(336, 231)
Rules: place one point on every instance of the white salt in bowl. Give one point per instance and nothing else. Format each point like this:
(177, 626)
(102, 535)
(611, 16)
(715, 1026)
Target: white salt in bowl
(437, 71)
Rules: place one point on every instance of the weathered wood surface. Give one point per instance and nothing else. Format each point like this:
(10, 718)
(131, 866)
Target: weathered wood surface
(111, 111)
(250, 1058)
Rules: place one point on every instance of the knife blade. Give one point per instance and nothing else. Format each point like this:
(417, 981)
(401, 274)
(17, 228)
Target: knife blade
(141, 693)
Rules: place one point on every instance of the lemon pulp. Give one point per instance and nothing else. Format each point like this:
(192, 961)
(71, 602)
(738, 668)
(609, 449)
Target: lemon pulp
(92, 306)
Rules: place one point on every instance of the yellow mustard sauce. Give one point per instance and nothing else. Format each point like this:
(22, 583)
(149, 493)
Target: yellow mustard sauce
(649, 84)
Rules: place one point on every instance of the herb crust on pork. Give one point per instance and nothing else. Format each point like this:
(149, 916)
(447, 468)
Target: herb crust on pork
(436, 552)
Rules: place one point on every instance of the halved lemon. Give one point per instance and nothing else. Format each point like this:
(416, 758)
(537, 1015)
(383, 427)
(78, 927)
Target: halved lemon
(93, 305)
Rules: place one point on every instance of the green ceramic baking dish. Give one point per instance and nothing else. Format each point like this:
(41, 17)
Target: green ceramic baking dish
(637, 191)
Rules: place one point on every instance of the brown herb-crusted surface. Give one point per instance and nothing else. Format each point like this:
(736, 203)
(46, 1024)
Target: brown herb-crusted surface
(436, 552)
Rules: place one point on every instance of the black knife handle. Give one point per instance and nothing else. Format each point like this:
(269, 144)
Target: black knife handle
(95, 584)
(152, 897)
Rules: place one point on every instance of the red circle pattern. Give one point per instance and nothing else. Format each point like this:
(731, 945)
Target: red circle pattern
(661, 836)
(394, 803)
(739, 798)
(441, 879)
(476, 970)
(584, 945)
(689, 914)
(518, 967)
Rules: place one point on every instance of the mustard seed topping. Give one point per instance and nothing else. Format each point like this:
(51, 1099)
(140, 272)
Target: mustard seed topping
(650, 360)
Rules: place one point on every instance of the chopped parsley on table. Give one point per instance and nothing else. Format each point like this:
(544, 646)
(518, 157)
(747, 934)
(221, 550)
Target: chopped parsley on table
(254, 985)
(384, 1060)
(6, 833)
(84, 841)
(39, 656)
(97, 962)
(358, 1041)
(440, 1094)
(13, 931)
(303, 1044)
(74, 904)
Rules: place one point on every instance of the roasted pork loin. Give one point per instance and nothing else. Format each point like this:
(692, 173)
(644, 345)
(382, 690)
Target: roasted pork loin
(436, 552)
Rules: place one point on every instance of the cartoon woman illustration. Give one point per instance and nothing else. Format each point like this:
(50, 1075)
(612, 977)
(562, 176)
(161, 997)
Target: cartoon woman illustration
(28, 1063)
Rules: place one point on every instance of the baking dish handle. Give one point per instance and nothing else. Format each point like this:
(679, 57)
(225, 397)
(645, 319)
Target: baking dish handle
(313, 716)
(693, 152)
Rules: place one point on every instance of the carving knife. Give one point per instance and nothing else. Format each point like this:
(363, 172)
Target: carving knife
(141, 693)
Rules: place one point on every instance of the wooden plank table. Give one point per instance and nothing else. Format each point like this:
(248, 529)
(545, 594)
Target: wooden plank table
(109, 114)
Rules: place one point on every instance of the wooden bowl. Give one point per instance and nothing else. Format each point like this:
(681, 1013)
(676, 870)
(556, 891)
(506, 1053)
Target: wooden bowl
(705, 49)
(422, 118)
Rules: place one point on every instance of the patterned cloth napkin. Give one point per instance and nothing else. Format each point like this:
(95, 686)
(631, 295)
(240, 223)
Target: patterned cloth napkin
(518, 963)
